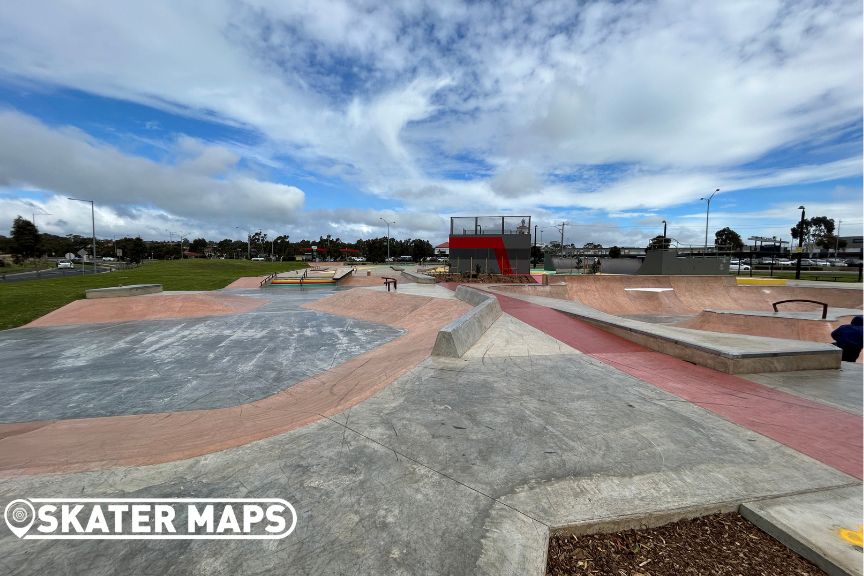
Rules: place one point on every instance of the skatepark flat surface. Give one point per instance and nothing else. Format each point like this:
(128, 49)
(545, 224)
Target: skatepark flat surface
(402, 463)
(181, 364)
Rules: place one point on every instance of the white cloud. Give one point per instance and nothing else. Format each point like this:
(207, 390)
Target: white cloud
(676, 94)
(71, 163)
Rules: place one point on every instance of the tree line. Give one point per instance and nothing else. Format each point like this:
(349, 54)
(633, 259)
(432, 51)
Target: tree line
(25, 241)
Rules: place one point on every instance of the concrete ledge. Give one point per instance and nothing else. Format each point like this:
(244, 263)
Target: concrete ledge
(417, 277)
(460, 335)
(811, 525)
(123, 291)
(725, 352)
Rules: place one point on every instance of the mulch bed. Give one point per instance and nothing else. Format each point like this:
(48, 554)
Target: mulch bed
(720, 544)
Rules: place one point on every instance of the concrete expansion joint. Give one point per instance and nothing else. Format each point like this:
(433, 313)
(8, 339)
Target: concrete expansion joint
(433, 470)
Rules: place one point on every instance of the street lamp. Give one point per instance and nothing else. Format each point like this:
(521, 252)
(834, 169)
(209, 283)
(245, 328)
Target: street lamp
(93, 222)
(388, 234)
(800, 243)
(664, 234)
(708, 211)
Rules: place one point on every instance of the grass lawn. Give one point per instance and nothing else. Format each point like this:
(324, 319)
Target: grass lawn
(850, 275)
(22, 302)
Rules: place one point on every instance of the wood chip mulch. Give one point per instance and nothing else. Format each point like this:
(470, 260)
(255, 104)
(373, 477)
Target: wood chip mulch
(720, 544)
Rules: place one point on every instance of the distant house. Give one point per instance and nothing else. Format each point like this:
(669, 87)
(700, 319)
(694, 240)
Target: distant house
(442, 249)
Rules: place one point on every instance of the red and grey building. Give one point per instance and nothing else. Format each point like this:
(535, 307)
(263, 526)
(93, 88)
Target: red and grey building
(490, 244)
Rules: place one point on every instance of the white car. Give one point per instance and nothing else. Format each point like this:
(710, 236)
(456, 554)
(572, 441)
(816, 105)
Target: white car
(258, 259)
(65, 264)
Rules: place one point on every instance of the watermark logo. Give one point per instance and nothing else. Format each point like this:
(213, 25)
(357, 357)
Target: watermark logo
(150, 518)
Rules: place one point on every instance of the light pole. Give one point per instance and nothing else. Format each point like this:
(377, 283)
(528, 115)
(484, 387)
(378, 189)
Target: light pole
(93, 222)
(664, 234)
(707, 212)
(388, 235)
(837, 240)
(800, 243)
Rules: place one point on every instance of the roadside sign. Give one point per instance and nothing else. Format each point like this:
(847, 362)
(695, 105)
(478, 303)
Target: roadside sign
(82, 252)
(69, 256)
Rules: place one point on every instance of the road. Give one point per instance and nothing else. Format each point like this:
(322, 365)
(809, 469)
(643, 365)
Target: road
(47, 273)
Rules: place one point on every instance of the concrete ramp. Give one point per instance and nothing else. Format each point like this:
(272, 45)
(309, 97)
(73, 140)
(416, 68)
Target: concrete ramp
(680, 295)
(794, 327)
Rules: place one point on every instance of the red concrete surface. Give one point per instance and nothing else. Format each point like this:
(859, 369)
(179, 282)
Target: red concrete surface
(147, 307)
(827, 434)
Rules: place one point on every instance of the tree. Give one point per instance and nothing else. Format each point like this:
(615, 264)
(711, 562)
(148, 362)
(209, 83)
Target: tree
(614, 252)
(659, 243)
(728, 239)
(25, 239)
(818, 230)
(134, 249)
(199, 245)
(592, 246)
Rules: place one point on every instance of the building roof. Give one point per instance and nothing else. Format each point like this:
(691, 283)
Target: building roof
(443, 245)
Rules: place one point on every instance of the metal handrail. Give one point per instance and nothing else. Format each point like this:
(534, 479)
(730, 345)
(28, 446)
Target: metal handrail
(823, 304)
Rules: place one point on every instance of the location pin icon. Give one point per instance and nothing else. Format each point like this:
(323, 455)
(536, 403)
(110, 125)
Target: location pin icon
(19, 516)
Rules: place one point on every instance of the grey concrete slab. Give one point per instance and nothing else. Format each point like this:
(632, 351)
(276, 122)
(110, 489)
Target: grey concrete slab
(168, 365)
(123, 291)
(813, 525)
(839, 388)
(460, 467)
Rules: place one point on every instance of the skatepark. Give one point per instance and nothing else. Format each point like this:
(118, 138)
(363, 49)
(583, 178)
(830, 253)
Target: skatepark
(426, 428)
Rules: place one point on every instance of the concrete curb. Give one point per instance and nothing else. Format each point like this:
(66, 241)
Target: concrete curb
(123, 291)
(808, 524)
(458, 336)
(417, 277)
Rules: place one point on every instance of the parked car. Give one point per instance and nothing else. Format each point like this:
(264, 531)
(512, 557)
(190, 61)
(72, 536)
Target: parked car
(405, 259)
(65, 264)
(108, 259)
(258, 259)
(853, 262)
(739, 266)
(785, 262)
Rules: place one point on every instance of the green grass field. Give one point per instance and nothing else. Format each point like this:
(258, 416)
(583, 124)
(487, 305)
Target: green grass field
(22, 302)
(850, 275)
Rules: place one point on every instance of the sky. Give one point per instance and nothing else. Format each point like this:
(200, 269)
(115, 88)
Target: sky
(220, 118)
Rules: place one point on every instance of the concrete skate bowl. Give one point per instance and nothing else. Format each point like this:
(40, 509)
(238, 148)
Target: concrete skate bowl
(708, 303)
(153, 416)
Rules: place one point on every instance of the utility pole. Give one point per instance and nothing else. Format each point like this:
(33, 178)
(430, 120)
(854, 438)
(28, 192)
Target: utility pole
(562, 235)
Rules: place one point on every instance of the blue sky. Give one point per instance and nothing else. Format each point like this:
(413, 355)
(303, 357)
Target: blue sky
(310, 118)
